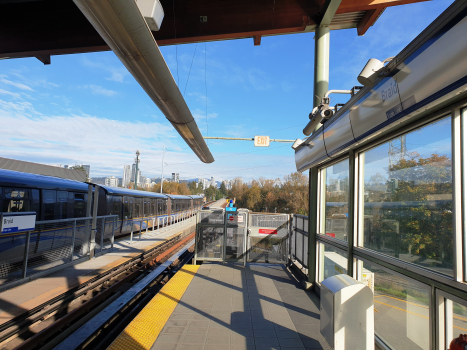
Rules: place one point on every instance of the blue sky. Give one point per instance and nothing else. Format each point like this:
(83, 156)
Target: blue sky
(88, 109)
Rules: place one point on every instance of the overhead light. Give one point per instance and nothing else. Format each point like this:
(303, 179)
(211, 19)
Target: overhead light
(122, 26)
(370, 72)
(297, 143)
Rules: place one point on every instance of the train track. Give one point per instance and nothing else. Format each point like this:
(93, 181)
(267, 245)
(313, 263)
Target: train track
(33, 329)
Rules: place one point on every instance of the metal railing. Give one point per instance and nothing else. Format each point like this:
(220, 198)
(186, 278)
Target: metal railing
(269, 238)
(53, 244)
(298, 245)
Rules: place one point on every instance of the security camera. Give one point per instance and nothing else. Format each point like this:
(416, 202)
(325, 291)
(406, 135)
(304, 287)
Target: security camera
(312, 124)
(371, 71)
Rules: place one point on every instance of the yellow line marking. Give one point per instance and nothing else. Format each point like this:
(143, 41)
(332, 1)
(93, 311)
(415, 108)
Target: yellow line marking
(398, 308)
(376, 310)
(405, 301)
(143, 331)
(425, 307)
(462, 329)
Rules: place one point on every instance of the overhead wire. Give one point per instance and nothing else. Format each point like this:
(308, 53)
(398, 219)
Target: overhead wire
(194, 53)
(176, 47)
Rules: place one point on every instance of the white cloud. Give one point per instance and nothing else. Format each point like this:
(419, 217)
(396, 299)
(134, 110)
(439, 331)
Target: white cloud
(12, 94)
(15, 84)
(117, 74)
(99, 90)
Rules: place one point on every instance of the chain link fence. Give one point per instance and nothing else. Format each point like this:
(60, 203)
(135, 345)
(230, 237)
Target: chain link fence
(299, 240)
(51, 244)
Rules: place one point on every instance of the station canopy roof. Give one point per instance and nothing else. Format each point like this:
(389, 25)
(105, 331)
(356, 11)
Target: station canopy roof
(41, 28)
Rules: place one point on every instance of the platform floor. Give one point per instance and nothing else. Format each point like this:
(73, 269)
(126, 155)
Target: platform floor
(20, 299)
(260, 306)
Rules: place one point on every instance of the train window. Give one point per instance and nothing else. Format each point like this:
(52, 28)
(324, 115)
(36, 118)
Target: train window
(79, 205)
(147, 211)
(159, 207)
(164, 207)
(116, 209)
(406, 198)
(62, 201)
(153, 207)
(48, 204)
(336, 200)
(16, 200)
(128, 207)
(138, 207)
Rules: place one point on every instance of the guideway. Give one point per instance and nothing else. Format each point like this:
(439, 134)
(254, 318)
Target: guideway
(18, 305)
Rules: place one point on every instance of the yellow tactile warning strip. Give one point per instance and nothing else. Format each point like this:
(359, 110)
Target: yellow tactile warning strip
(143, 331)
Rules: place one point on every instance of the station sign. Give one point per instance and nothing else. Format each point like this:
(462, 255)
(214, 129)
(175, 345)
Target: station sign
(261, 141)
(17, 222)
(234, 218)
(265, 231)
(230, 209)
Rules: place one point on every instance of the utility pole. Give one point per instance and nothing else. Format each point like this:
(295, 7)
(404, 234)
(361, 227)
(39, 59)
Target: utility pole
(136, 169)
(162, 175)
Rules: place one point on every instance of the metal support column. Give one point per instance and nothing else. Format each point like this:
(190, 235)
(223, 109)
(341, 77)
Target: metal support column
(351, 219)
(94, 222)
(312, 224)
(73, 238)
(320, 87)
(26, 253)
(321, 78)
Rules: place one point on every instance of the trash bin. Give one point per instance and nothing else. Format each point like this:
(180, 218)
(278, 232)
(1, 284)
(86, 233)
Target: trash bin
(347, 314)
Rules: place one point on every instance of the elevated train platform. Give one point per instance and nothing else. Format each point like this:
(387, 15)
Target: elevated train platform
(216, 306)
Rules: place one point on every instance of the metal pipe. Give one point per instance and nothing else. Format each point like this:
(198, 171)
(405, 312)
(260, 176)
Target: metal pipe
(244, 139)
(123, 28)
(92, 244)
(26, 253)
(321, 76)
(329, 92)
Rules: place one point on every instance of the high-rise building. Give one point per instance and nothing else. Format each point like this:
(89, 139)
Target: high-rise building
(111, 181)
(213, 182)
(126, 176)
(133, 170)
(175, 177)
(87, 169)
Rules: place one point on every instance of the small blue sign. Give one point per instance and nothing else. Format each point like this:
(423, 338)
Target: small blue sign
(230, 209)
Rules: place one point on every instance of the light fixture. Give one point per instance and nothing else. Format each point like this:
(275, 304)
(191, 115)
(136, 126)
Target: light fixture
(297, 143)
(371, 71)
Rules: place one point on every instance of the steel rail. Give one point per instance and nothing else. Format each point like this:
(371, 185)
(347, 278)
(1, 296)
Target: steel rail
(85, 332)
(22, 322)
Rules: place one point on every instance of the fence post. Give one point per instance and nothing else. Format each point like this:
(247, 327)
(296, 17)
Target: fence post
(154, 224)
(140, 229)
(102, 234)
(112, 239)
(131, 236)
(73, 237)
(26, 253)
(94, 222)
(147, 225)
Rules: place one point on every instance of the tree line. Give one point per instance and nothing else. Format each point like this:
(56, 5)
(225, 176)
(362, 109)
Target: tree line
(289, 195)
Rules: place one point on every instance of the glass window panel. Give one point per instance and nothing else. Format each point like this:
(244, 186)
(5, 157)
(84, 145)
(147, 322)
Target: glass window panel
(336, 198)
(333, 262)
(401, 308)
(458, 314)
(407, 197)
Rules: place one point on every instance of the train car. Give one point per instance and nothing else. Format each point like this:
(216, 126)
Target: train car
(179, 206)
(59, 199)
(136, 210)
(52, 199)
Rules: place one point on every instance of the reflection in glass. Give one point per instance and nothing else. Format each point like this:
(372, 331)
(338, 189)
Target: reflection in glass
(407, 197)
(457, 319)
(401, 308)
(336, 198)
(333, 262)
